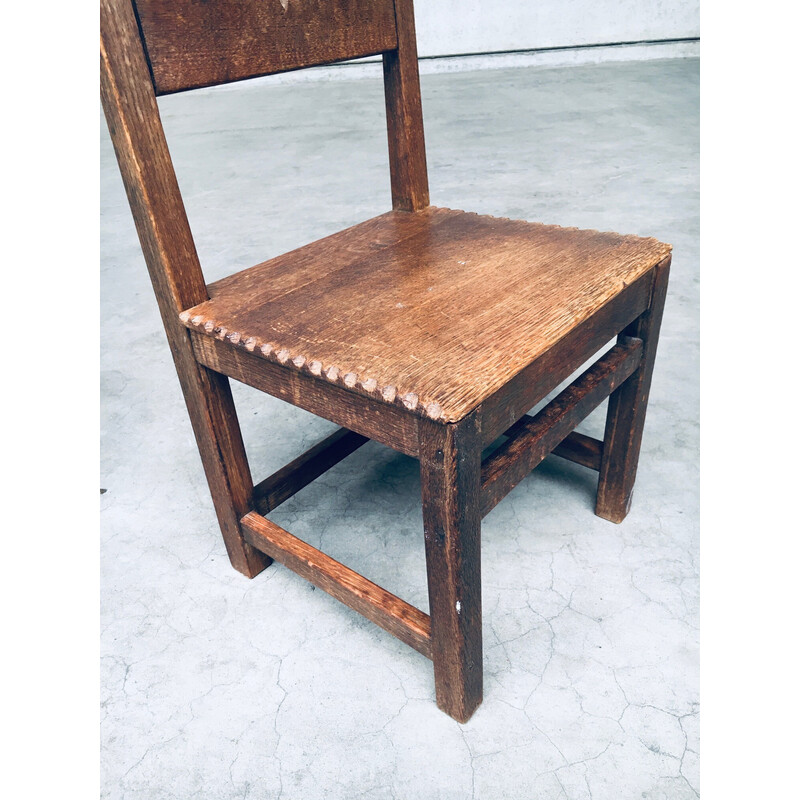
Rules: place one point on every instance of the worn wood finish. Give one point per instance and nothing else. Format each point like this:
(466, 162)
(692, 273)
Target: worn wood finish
(394, 615)
(450, 470)
(534, 438)
(297, 474)
(193, 43)
(429, 330)
(576, 447)
(169, 251)
(581, 449)
(144, 160)
(407, 163)
(627, 408)
(542, 376)
(436, 321)
(384, 423)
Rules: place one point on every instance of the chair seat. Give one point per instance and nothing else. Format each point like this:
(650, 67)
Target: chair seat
(434, 310)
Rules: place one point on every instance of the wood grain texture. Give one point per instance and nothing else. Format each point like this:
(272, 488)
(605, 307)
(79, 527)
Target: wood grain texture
(532, 384)
(304, 469)
(387, 424)
(429, 330)
(627, 408)
(407, 162)
(576, 447)
(193, 43)
(433, 311)
(394, 615)
(138, 138)
(450, 469)
(532, 439)
(135, 127)
(581, 449)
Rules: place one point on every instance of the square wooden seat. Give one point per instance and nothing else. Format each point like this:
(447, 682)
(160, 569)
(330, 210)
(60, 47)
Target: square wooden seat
(431, 311)
(429, 330)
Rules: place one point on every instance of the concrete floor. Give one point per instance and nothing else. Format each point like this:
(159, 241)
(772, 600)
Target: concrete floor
(219, 687)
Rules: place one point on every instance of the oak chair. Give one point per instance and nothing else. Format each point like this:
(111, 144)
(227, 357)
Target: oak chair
(429, 330)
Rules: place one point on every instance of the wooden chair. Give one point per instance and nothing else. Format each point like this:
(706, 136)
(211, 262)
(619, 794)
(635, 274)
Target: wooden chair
(429, 330)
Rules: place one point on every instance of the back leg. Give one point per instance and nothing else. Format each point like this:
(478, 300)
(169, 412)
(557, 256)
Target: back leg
(219, 439)
(627, 407)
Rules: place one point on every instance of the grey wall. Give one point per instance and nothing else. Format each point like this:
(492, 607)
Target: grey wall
(451, 27)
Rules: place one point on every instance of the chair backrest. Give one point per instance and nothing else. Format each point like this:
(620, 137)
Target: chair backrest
(191, 44)
(155, 47)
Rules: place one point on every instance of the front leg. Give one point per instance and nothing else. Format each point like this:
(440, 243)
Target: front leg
(450, 466)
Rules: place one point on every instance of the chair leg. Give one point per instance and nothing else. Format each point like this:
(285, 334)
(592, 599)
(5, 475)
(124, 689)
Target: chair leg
(219, 439)
(627, 407)
(450, 466)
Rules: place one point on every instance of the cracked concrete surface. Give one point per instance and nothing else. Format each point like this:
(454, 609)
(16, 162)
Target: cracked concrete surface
(219, 687)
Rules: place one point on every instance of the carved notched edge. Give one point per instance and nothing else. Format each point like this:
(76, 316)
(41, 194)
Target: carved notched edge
(331, 372)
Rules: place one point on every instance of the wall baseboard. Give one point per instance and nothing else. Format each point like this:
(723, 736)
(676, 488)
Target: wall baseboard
(564, 56)
(545, 57)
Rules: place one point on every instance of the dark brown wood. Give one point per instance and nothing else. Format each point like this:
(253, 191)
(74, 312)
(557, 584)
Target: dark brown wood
(627, 408)
(454, 296)
(576, 447)
(145, 163)
(169, 251)
(384, 423)
(394, 615)
(533, 438)
(407, 162)
(193, 43)
(533, 383)
(581, 449)
(297, 474)
(450, 469)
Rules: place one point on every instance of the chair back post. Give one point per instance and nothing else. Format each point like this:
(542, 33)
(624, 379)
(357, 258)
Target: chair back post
(129, 103)
(407, 162)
